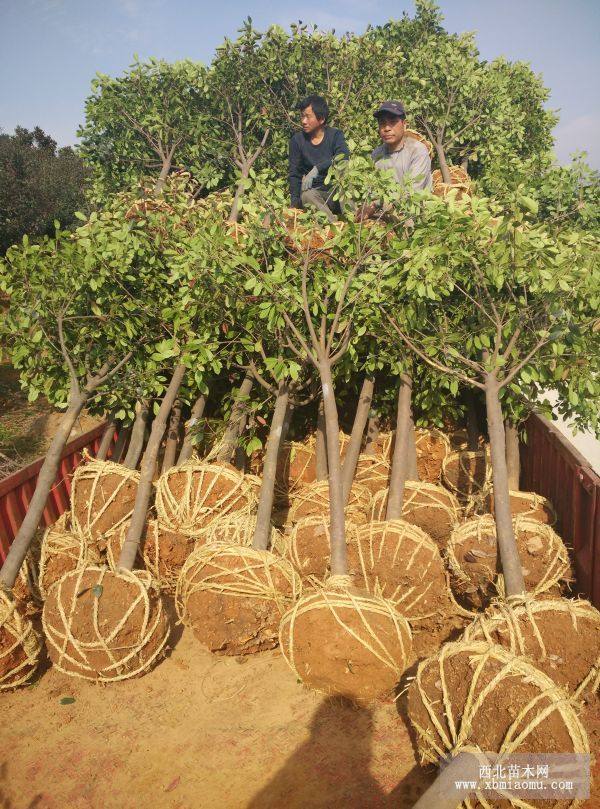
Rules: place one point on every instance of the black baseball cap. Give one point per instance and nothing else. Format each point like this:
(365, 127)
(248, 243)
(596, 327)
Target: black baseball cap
(393, 107)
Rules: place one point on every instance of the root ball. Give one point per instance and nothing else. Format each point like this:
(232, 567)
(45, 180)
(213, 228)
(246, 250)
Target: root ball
(20, 645)
(314, 500)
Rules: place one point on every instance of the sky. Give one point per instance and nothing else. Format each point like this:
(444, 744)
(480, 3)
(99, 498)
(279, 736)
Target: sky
(51, 49)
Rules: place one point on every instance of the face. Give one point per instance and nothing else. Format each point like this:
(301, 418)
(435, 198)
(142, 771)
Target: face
(391, 128)
(309, 120)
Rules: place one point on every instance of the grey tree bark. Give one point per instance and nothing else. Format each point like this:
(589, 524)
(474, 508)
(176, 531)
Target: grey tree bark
(195, 416)
(400, 458)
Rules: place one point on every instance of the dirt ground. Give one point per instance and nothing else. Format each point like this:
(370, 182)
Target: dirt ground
(201, 731)
(27, 428)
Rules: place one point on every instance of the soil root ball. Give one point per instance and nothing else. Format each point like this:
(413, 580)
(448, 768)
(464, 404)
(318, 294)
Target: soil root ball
(233, 597)
(559, 636)
(469, 476)
(296, 466)
(165, 552)
(314, 499)
(63, 550)
(238, 529)
(114, 545)
(430, 507)
(20, 645)
(473, 561)
(339, 641)
(104, 626)
(373, 472)
(309, 548)
(26, 591)
(528, 504)
(482, 697)
(400, 562)
(433, 446)
(190, 496)
(102, 498)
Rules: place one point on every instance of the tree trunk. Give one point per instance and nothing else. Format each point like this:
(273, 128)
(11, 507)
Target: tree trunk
(321, 444)
(412, 471)
(473, 431)
(400, 459)
(195, 416)
(162, 177)
(47, 476)
(372, 435)
(464, 163)
(441, 156)
(172, 437)
(240, 458)
(107, 437)
(358, 428)
(507, 546)
(232, 431)
(144, 489)
(137, 435)
(267, 489)
(339, 566)
(239, 193)
(121, 443)
(513, 460)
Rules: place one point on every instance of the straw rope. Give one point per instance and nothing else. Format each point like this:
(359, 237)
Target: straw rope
(531, 505)
(373, 472)
(460, 181)
(120, 659)
(238, 529)
(209, 490)
(114, 545)
(481, 532)
(26, 590)
(459, 472)
(21, 645)
(314, 499)
(338, 598)
(92, 505)
(296, 467)
(63, 550)
(507, 619)
(251, 576)
(309, 546)
(454, 727)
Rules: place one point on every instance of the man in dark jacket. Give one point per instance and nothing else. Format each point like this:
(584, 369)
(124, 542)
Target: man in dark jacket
(311, 154)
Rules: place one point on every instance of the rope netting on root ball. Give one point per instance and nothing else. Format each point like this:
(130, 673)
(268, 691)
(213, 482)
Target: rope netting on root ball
(528, 504)
(559, 636)
(103, 625)
(20, 645)
(26, 591)
(190, 496)
(164, 553)
(460, 183)
(114, 545)
(238, 529)
(469, 476)
(314, 499)
(400, 562)
(102, 498)
(233, 597)
(430, 507)
(309, 548)
(296, 466)
(63, 550)
(373, 472)
(474, 564)
(340, 641)
(432, 447)
(480, 697)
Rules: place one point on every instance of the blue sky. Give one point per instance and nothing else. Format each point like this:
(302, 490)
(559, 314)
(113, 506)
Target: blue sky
(51, 49)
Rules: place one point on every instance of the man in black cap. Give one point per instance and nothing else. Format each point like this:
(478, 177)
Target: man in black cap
(312, 152)
(407, 157)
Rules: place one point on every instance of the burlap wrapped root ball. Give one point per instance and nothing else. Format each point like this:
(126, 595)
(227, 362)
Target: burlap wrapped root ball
(481, 697)
(474, 562)
(20, 645)
(309, 547)
(469, 476)
(314, 500)
(559, 636)
(238, 529)
(103, 625)
(430, 507)
(190, 496)
(63, 550)
(400, 562)
(233, 597)
(373, 472)
(102, 498)
(340, 641)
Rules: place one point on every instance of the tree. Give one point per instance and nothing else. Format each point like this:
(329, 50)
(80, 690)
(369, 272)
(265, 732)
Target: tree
(38, 185)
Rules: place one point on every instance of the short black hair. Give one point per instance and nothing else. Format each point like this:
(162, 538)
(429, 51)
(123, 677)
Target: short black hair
(318, 104)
